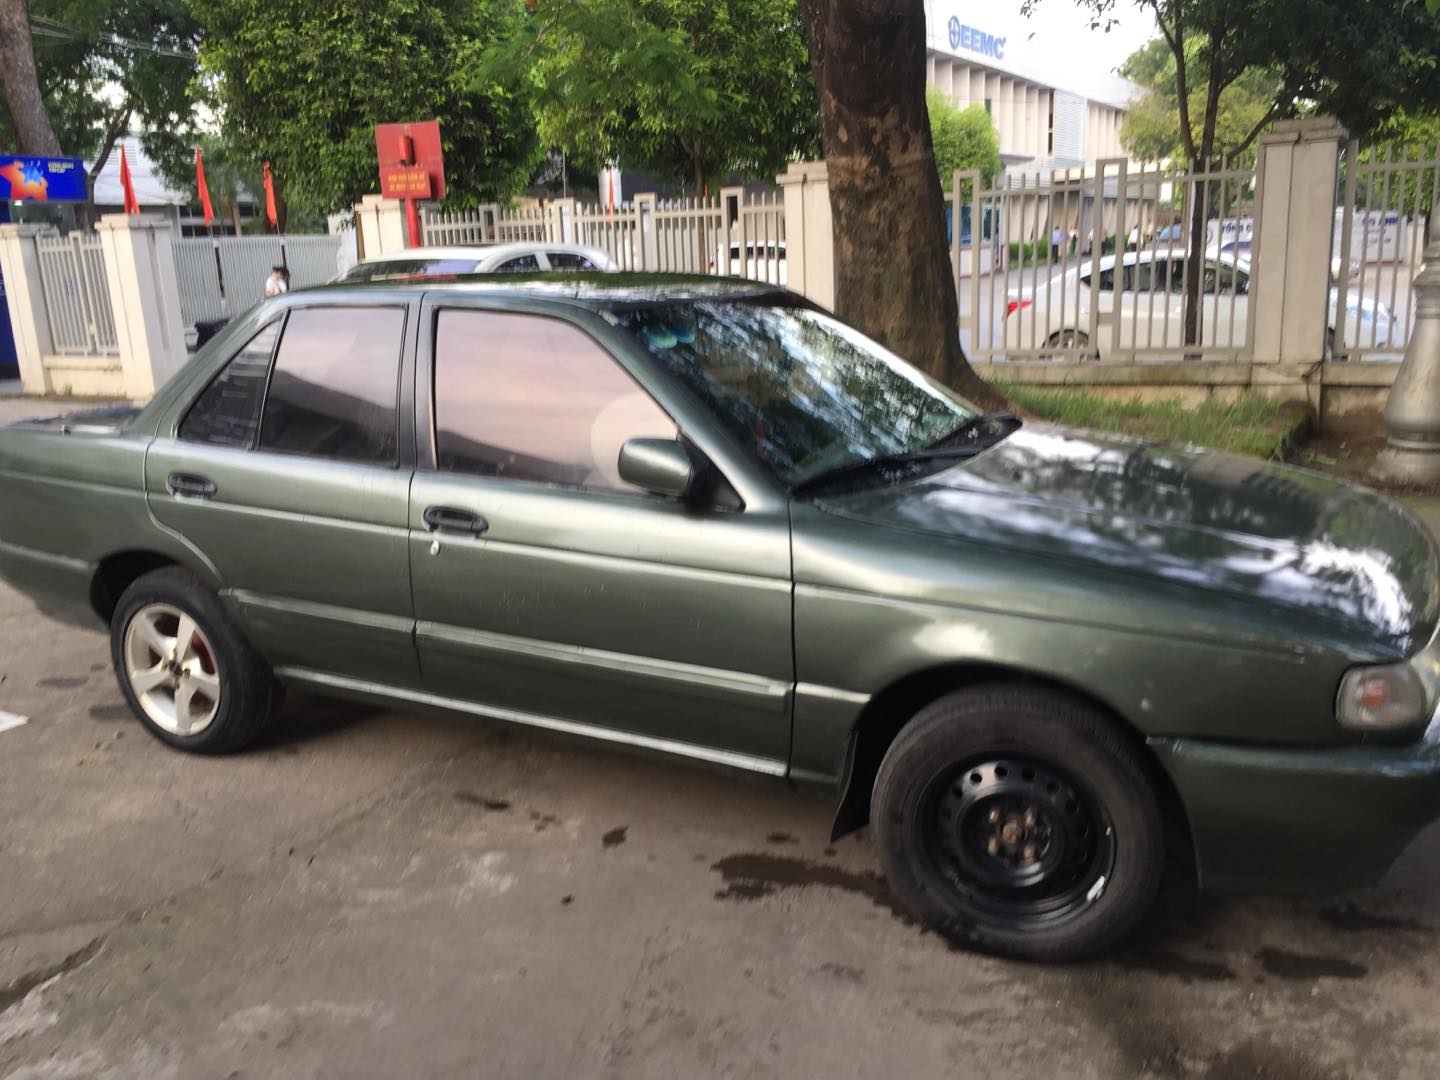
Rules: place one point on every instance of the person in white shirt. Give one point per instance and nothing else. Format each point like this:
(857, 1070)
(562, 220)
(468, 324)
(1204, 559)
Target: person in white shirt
(278, 282)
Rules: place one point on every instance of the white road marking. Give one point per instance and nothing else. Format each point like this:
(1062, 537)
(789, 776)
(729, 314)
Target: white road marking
(10, 720)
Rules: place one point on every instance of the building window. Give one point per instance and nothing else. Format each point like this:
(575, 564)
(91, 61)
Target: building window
(987, 108)
(1050, 127)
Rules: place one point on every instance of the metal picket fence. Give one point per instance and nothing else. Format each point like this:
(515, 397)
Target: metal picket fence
(224, 275)
(645, 234)
(77, 294)
(1387, 197)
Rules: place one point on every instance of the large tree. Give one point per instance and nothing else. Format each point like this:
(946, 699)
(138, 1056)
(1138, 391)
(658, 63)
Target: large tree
(892, 270)
(302, 84)
(1358, 61)
(29, 120)
(691, 89)
(109, 67)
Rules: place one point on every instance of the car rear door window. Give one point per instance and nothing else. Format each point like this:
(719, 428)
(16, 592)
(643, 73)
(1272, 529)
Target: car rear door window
(521, 264)
(568, 260)
(336, 383)
(531, 398)
(228, 412)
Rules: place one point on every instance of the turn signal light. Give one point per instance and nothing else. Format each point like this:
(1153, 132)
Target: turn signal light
(1380, 698)
(1016, 305)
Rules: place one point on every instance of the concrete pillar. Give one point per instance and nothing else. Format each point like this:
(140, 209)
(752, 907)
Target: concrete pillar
(145, 299)
(1412, 412)
(29, 317)
(382, 225)
(809, 232)
(1290, 280)
(1032, 121)
(960, 82)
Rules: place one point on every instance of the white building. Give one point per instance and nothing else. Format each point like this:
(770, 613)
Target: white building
(975, 56)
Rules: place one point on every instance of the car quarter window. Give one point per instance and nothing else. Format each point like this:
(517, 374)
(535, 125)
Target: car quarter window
(227, 413)
(521, 264)
(568, 260)
(526, 397)
(334, 390)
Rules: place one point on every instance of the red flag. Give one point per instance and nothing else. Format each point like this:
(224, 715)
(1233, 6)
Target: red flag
(132, 204)
(204, 188)
(270, 214)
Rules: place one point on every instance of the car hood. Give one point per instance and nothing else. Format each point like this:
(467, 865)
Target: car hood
(1343, 556)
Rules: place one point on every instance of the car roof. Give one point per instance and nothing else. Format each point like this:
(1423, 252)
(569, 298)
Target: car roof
(593, 290)
(480, 251)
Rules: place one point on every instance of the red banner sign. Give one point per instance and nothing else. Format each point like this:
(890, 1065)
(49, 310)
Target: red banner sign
(414, 146)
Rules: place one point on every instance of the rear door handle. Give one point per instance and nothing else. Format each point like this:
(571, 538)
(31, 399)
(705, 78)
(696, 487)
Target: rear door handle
(446, 519)
(190, 485)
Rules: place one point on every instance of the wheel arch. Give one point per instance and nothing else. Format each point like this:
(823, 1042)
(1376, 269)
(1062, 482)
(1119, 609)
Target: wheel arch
(888, 711)
(117, 571)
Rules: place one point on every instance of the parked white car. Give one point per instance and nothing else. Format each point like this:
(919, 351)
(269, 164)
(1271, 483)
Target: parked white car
(1148, 302)
(524, 258)
(763, 261)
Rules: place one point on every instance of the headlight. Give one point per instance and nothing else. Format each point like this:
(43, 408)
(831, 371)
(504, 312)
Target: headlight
(1381, 698)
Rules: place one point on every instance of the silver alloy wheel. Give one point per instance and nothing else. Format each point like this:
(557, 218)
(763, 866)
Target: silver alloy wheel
(172, 670)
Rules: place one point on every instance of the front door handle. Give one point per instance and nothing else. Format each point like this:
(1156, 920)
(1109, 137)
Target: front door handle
(446, 519)
(190, 485)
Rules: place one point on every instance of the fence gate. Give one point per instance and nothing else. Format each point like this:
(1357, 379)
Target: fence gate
(1382, 223)
(223, 275)
(77, 294)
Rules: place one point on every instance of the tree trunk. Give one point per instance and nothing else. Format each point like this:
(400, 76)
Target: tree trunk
(22, 87)
(892, 270)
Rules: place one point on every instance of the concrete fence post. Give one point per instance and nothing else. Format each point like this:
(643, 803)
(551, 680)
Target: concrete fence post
(1289, 298)
(382, 225)
(645, 234)
(809, 232)
(145, 299)
(24, 296)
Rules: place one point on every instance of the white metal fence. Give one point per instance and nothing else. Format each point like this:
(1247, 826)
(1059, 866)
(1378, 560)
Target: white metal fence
(224, 275)
(734, 233)
(1099, 264)
(77, 295)
(1387, 198)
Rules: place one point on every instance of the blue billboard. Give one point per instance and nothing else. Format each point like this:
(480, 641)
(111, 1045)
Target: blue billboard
(43, 179)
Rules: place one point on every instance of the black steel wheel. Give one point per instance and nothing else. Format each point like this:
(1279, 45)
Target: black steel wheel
(1020, 822)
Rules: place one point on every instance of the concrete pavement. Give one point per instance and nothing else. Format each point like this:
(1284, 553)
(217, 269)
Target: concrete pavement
(375, 893)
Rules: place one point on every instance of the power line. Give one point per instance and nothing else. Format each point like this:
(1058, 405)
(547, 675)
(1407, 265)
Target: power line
(50, 28)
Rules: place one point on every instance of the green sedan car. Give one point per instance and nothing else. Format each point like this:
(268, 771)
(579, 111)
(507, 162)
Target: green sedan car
(708, 519)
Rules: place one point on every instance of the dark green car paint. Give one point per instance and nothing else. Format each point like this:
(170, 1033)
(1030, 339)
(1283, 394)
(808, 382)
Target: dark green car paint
(1210, 603)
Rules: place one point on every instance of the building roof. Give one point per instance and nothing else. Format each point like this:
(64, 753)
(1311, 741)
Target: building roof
(151, 188)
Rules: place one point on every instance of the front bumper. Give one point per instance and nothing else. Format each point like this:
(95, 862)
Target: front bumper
(1275, 820)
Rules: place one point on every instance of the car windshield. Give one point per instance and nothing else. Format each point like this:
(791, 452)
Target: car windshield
(807, 393)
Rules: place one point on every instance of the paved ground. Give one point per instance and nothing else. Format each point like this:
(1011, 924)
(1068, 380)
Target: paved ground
(379, 893)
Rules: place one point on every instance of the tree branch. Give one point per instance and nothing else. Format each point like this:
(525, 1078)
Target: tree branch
(119, 122)
(1176, 40)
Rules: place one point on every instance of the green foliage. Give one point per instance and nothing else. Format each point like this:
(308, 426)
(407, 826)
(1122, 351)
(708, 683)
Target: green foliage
(697, 89)
(963, 139)
(1151, 129)
(109, 66)
(302, 84)
(1251, 424)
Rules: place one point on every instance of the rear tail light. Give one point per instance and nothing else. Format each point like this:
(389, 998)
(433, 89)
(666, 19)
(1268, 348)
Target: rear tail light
(1016, 305)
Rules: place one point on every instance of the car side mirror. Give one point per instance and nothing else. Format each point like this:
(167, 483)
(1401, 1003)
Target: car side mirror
(659, 466)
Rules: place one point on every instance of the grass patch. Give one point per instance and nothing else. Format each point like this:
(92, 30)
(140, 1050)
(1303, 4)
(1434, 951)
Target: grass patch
(1251, 425)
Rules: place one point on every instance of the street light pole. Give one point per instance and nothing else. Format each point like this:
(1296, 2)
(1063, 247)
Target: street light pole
(1412, 412)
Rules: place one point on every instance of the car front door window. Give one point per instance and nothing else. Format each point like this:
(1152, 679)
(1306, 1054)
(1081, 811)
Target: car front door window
(527, 398)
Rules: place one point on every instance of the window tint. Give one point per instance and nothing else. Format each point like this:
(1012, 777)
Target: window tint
(1225, 279)
(228, 412)
(568, 260)
(519, 265)
(333, 393)
(530, 398)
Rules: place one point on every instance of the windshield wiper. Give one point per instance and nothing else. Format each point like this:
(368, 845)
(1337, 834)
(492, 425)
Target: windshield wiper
(983, 429)
(879, 461)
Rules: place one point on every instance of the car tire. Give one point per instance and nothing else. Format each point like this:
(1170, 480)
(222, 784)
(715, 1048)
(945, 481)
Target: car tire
(1019, 822)
(1072, 339)
(211, 693)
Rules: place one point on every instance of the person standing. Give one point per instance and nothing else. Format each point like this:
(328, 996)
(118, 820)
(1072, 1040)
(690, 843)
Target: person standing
(278, 283)
(1057, 237)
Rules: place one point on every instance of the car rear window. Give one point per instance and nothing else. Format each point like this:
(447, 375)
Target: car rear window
(227, 413)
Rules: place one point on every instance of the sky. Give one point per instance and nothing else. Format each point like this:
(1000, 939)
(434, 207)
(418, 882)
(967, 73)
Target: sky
(1056, 43)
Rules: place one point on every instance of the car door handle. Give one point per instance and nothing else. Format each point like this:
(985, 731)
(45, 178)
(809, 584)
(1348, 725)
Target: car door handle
(446, 519)
(190, 485)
